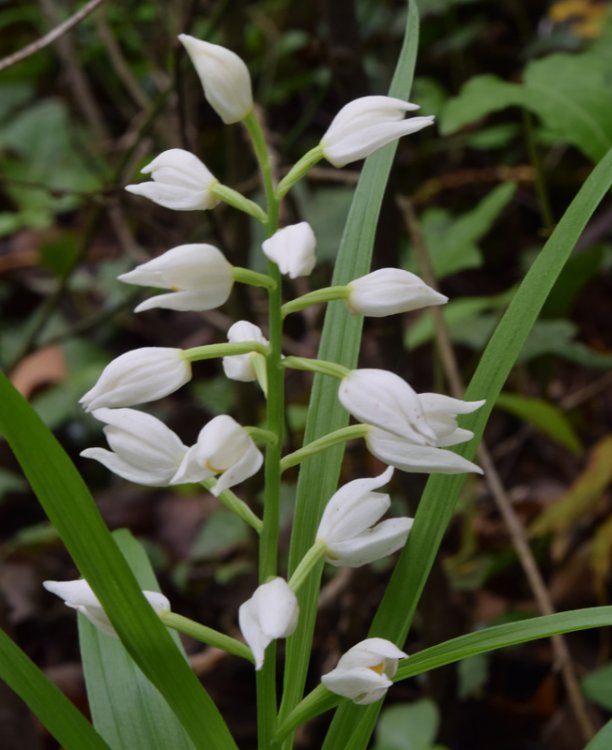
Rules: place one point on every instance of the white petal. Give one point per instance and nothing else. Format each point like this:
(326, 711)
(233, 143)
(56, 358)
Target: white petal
(361, 685)
(149, 476)
(292, 248)
(251, 630)
(370, 653)
(278, 608)
(249, 464)
(389, 291)
(373, 544)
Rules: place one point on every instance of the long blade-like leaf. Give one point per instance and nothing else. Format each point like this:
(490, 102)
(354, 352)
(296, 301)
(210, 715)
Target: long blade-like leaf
(71, 509)
(63, 721)
(436, 508)
(339, 342)
(127, 710)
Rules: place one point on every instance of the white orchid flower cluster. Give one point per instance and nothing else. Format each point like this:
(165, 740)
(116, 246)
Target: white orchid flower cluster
(404, 429)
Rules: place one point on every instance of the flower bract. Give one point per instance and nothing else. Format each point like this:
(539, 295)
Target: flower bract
(199, 275)
(271, 613)
(364, 125)
(364, 673)
(179, 181)
(139, 376)
(78, 595)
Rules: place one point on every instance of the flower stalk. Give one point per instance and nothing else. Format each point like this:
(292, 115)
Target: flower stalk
(343, 435)
(206, 635)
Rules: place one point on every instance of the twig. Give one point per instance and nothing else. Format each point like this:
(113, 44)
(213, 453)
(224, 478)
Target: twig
(513, 523)
(51, 36)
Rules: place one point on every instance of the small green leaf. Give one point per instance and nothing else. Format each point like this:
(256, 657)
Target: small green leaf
(597, 686)
(546, 417)
(221, 532)
(408, 727)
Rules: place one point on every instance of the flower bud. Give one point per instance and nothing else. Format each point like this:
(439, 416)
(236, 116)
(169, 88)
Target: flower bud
(292, 249)
(139, 376)
(199, 275)
(180, 182)
(389, 291)
(364, 673)
(364, 125)
(224, 77)
(242, 367)
(423, 459)
(223, 448)
(271, 613)
(347, 525)
(144, 450)
(78, 595)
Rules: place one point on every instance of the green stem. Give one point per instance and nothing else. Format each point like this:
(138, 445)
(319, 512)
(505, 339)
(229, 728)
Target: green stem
(232, 502)
(328, 294)
(307, 563)
(261, 436)
(210, 351)
(540, 183)
(298, 170)
(268, 545)
(327, 441)
(206, 635)
(317, 365)
(246, 276)
(320, 699)
(237, 200)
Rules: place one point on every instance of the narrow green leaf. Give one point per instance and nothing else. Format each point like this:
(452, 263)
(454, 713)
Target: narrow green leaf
(437, 504)
(63, 721)
(71, 509)
(339, 342)
(127, 710)
(544, 416)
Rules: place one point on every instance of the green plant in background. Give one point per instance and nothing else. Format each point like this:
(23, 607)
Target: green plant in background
(164, 705)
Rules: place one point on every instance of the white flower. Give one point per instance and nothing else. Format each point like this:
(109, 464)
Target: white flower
(272, 612)
(144, 450)
(364, 673)
(139, 376)
(223, 448)
(405, 455)
(243, 367)
(78, 595)
(441, 415)
(199, 275)
(224, 77)
(383, 399)
(292, 248)
(365, 125)
(180, 182)
(389, 291)
(347, 528)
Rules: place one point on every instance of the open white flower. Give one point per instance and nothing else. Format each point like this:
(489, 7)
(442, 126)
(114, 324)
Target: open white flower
(223, 449)
(405, 455)
(224, 77)
(199, 275)
(364, 673)
(78, 595)
(347, 525)
(244, 367)
(271, 613)
(292, 248)
(389, 291)
(139, 376)
(144, 450)
(180, 181)
(365, 125)
(441, 414)
(383, 399)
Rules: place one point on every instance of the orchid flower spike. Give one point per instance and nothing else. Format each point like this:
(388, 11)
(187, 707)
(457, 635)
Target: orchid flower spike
(179, 181)
(406, 456)
(365, 672)
(224, 77)
(245, 367)
(383, 399)
(292, 248)
(271, 613)
(199, 276)
(223, 448)
(139, 376)
(364, 125)
(347, 525)
(78, 595)
(389, 291)
(144, 450)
